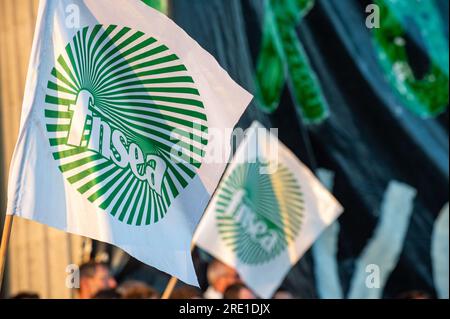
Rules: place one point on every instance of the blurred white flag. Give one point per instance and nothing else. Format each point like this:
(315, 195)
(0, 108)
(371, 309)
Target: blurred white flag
(268, 210)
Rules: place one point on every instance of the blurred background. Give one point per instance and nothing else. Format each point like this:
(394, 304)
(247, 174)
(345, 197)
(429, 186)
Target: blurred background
(360, 96)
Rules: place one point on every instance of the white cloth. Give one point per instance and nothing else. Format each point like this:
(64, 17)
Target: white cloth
(268, 210)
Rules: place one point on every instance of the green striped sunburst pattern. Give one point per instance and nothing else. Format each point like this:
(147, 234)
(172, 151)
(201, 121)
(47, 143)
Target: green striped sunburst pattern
(257, 214)
(125, 122)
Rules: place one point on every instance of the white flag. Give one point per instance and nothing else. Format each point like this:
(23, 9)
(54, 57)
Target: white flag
(114, 129)
(267, 211)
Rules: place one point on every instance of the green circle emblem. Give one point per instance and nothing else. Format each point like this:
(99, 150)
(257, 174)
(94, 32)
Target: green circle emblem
(258, 215)
(125, 122)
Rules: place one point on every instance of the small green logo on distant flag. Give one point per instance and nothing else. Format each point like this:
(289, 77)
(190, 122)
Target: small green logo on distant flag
(257, 214)
(125, 122)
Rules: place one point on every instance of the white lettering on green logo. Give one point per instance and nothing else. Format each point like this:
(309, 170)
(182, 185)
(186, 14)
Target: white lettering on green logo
(118, 104)
(259, 214)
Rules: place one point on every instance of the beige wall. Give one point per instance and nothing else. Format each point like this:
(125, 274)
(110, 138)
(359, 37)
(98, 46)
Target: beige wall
(38, 255)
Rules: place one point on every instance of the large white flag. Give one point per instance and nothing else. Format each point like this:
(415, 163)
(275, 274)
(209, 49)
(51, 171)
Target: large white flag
(114, 129)
(267, 211)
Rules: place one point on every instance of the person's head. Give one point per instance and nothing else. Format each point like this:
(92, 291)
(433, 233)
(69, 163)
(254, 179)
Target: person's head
(94, 277)
(220, 276)
(107, 294)
(186, 292)
(414, 294)
(283, 294)
(26, 295)
(133, 289)
(238, 291)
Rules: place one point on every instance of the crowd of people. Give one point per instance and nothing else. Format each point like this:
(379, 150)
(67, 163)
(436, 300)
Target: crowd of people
(97, 282)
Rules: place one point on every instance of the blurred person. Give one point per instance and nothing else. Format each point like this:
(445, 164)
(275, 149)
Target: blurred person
(94, 277)
(133, 289)
(283, 294)
(25, 295)
(220, 277)
(414, 294)
(238, 291)
(186, 292)
(108, 294)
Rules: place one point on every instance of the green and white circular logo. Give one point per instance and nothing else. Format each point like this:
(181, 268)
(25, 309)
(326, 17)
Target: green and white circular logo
(259, 214)
(125, 122)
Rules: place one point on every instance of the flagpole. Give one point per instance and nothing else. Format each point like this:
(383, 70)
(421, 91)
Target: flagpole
(4, 245)
(169, 288)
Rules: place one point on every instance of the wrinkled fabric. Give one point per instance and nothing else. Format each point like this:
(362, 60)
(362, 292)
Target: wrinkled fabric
(368, 140)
